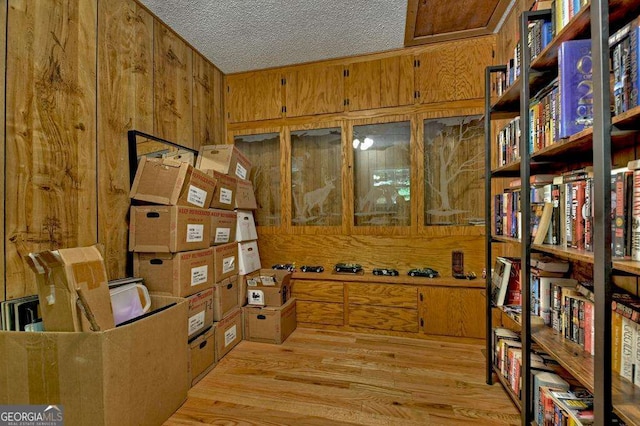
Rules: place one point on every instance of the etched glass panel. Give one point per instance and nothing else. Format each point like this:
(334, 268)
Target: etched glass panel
(453, 171)
(382, 174)
(264, 152)
(316, 187)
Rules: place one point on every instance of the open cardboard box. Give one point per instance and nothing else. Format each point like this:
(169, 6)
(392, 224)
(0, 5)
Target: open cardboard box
(129, 375)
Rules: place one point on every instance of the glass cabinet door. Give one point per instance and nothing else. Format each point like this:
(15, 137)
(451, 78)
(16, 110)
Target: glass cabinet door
(316, 185)
(453, 171)
(263, 150)
(382, 174)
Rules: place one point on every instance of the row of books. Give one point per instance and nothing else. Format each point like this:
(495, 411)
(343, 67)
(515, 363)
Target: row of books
(624, 50)
(509, 142)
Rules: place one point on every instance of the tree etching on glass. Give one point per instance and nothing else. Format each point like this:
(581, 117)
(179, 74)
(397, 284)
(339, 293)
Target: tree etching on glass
(453, 150)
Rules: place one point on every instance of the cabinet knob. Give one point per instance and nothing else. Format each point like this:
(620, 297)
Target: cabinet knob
(421, 297)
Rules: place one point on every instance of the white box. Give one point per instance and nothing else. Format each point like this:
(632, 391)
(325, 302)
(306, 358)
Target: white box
(245, 226)
(249, 257)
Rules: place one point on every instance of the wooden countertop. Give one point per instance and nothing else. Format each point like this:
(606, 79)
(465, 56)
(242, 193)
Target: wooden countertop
(368, 277)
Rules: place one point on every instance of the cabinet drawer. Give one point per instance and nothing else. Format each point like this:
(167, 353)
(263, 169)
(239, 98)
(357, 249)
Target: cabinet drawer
(395, 296)
(382, 318)
(320, 312)
(321, 291)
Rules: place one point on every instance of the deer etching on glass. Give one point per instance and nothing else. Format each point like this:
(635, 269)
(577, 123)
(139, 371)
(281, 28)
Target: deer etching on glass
(317, 197)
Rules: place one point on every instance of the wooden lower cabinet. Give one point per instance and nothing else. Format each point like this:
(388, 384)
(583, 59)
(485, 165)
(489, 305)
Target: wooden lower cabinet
(457, 312)
(427, 308)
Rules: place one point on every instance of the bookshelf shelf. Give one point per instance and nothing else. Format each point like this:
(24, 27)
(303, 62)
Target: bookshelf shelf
(507, 387)
(569, 355)
(565, 253)
(630, 266)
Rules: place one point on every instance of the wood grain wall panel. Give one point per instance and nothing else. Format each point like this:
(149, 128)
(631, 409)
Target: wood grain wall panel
(383, 295)
(219, 129)
(397, 81)
(3, 64)
(383, 318)
(125, 102)
(435, 79)
(314, 89)
(320, 291)
(50, 192)
(173, 73)
(203, 102)
(452, 311)
(319, 313)
(400, 252)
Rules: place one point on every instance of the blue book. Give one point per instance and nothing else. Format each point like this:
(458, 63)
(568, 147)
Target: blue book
(575, 84)
(547, 33)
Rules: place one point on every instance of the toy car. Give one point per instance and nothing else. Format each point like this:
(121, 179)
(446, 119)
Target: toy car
(423, 272)
(468, 276)
(307, 268)
(286, 266)
(386, 272)
(352, 268)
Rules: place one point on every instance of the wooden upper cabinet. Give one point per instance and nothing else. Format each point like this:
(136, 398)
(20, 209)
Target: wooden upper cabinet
(453, 71)
(207, 123)
(380, 83)
(254, 96)
(314, 89)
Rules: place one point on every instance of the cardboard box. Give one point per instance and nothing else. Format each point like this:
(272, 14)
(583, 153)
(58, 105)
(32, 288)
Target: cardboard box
(228, 333)
(200, 312)
(245, 196)
(245, 226)
(172, 182)
(270, 324)
(223, 226)
(168, 229)
(225, 297)
(62, 275)
(182, 155)
(226, 159)
(202, 355)
(128, 375)
(268, 287)
(175, 274)
(224, 196)
(225, 261)
(248, 257)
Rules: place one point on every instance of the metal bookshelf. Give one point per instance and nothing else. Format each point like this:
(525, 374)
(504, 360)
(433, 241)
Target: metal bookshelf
(595, 147)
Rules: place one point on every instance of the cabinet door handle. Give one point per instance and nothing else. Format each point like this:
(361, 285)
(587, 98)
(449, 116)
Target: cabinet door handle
(421, 322)
(421, 297)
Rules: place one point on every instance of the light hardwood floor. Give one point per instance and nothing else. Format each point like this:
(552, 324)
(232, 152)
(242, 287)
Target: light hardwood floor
(321, 377)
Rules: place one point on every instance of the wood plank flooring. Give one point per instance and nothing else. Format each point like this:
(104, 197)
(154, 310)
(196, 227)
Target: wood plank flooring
(322, 377)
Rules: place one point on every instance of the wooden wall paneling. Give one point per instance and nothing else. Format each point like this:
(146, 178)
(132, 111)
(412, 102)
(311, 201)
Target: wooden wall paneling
(125, 102)
(380, 83)
(327, 313)
(3, 64)
(50, 192)
(254, 96)
(219, 123)
(173, 74)
(319, 291)
(452, 311)
(435, 76)
(473, 57)
(203, 102)
(401, 252)
(314, 89)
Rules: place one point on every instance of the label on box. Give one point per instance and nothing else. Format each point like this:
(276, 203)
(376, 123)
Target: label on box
(241, 172)
(196, 322)
(222, 235)
(199, 275)
(228, 264)
(230, 335)
(226, 195)
(196, 196)
(255, 297)
(267, 280)
(195, 232)
(252, 282)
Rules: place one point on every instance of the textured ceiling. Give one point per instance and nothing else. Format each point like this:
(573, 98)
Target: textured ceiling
(244, 35)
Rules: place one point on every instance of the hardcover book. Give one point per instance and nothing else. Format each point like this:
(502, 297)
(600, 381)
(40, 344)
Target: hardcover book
(575, 84)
